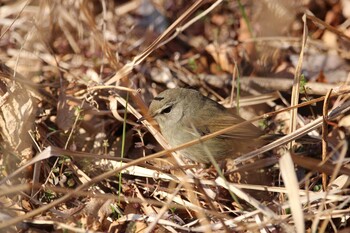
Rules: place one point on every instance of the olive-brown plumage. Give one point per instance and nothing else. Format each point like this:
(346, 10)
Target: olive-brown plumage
(184, 115)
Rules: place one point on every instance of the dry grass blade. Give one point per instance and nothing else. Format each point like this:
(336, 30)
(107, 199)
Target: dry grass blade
(254, 100)
(77, 76)
(329, 27)
(291, 183)
(5, 11)
(284, 84)
(45, 154)
(324, 135)
(296, 134)
(79, 188)
(281, 141)
(192, 21)
(296, 83)
(320, 166)
(125, 70)
(269, 214)
(163, 210)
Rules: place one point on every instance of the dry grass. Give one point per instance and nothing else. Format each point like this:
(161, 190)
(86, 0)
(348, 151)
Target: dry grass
(76, 75)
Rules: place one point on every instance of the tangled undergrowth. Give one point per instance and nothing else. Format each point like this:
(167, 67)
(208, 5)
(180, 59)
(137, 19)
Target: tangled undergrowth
(77, 75)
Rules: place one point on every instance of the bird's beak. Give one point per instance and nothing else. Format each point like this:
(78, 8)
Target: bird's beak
(141, 119)
(146, 117)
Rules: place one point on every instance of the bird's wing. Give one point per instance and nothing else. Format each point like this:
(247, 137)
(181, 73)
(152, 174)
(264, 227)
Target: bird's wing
(212, 124)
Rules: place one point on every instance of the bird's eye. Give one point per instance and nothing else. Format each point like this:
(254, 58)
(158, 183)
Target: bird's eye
(167, 109)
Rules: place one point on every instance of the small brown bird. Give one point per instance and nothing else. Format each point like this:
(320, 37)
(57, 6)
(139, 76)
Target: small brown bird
(185, 115)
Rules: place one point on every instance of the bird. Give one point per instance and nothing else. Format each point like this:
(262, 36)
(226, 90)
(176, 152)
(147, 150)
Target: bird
(185, 114)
